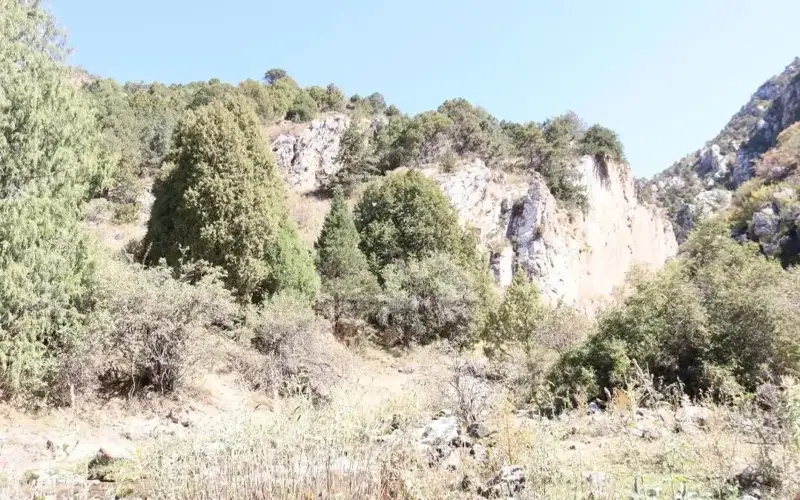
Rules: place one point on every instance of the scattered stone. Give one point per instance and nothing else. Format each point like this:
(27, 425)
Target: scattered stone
(142, 430)
(478, 431)
(654, 492)
(594, 408)
(690, 417)
(646, 431)
(598, 482)
(442, 431)
(508, 482)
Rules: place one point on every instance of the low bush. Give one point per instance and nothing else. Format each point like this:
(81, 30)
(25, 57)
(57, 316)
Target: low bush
(429, 299)
(720, 320)
(153, 316)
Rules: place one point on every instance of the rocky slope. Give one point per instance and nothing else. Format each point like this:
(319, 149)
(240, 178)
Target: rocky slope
(701, 183)
(577, 258)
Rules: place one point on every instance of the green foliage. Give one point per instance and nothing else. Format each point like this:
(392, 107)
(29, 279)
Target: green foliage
(602, 143)
(519, 316)
(405, 216)
(423, 140)
(224, 202)
(429, 299)
(303, 107)
(349, 289)
(50, 157)
(556, 161)
(273, 75)
(475, 131)
(330, 98)
(720, 316)
(357, 159)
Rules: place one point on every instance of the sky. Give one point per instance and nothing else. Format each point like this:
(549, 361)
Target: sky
(665, 74)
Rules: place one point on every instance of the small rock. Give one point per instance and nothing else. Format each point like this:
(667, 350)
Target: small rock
(593, 408)
(142, 430)
(443, 430)
(477, 431)
(598, 482)
(180, 417)
(509, 481)
(654, 492)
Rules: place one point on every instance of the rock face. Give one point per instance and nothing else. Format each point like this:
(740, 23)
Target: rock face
(574, 257)
(728, 160)
(308, 156)
(577, 258)
(581, 258)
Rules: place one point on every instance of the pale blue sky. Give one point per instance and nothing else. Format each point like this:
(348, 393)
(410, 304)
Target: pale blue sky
(666, 74)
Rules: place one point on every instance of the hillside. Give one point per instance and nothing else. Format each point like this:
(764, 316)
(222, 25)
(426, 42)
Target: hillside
(265, 290)
(703, 182)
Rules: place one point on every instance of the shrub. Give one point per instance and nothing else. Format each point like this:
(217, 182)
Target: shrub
(602, 143)
(356, 159)
(423, 140)
(330, 98)
(349, 289)
(154, 315)
(406, 216)
(519, 316)
(50, 159)
(224, 202)
(303, 107)
(474, 131)
(429, 299)
(720, 317)
(301, 355)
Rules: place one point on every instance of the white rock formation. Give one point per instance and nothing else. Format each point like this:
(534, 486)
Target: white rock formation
(576, 258)
(310, 154)
(579, 258)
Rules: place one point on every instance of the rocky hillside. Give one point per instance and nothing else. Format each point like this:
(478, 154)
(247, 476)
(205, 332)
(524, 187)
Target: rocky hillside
(702, 183)
(576, 257)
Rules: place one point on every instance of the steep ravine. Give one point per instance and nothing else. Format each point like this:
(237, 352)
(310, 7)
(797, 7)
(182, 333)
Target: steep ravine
(578, 258)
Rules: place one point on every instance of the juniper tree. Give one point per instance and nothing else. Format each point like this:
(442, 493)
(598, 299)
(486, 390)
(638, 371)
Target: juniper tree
(348, 286)
(224, 202)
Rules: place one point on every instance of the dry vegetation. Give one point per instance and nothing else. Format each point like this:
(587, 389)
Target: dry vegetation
(365, 441)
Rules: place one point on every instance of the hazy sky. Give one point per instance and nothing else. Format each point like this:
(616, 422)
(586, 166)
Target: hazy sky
(665, 74)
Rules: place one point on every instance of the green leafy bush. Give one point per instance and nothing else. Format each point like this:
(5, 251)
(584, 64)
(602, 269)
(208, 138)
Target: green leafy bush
(356, 158)
(349, 289)
(224, 202)
(405, 216)
(475, 131)
(429, 299)
(602, 143)
(720, 317)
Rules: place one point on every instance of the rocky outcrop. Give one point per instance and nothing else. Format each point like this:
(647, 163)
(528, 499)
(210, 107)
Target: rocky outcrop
(307, 156)
(580, 258)
(577, 258)
(728, 160)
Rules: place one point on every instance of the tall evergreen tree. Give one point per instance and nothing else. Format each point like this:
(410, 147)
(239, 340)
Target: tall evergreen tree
(49, 163)
(348, 286)
(224, 202)
(520, 314)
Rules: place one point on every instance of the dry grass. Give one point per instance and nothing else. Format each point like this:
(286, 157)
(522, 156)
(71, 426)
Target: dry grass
(308, 211)
(364, 443)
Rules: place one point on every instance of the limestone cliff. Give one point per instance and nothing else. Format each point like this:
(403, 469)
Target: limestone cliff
(575, 257)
